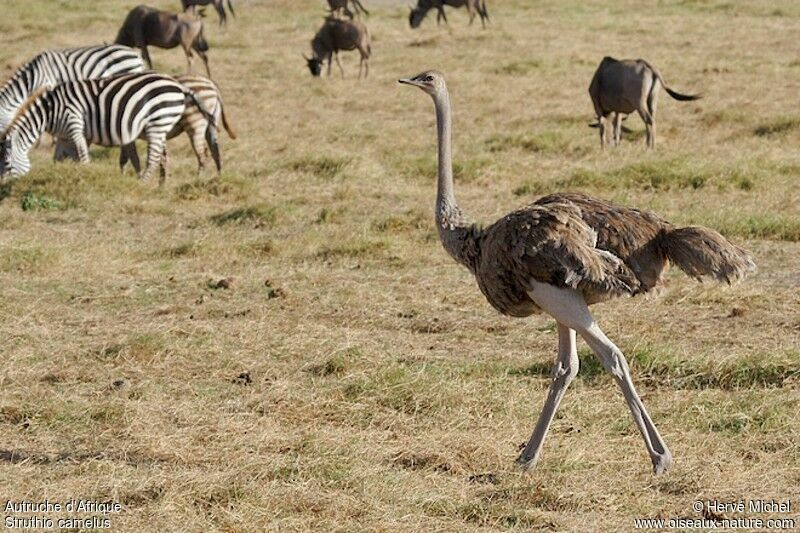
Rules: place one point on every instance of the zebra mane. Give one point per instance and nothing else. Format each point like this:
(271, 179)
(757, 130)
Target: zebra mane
(23, 109)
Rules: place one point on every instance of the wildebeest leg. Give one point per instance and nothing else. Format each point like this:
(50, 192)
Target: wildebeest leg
(359, 6)
(617, 128)
(483, 13)
(204, 57)
(223, 19)
(471, 13)
(603, 125)
(365, 63)
(647, 118)
(339, 63)
(330, 59)
(146, 57)
(440, 15)
(189, 60)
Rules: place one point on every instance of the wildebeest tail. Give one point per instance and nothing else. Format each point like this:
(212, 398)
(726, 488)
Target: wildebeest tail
(682, 97)
(675, 94)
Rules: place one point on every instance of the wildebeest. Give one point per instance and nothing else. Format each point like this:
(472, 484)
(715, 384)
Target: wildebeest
(341, 5)
(218, 6)
(419, 12)
(620, 87)
(149, 26)
(338, 34)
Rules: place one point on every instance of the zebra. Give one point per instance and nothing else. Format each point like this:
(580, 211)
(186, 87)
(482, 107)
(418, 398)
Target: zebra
(109, 112)
(52, 67)
(193, 122)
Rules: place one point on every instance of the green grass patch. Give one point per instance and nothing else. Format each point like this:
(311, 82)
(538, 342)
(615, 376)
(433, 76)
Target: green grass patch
(465, 170)
(261, 215)
(212, 188)
(32, 259)
(772, 226)
(544, 142)
(659, 367)
(359, 247)
(409, 221)
(777, 126)
(185, 249)
(324, 167)
(519, 68)
(31, 201)
(665, 175)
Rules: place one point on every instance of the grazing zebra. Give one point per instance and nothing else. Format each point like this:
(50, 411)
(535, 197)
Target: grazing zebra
(109, 112)
(52, 67)
(193, 122)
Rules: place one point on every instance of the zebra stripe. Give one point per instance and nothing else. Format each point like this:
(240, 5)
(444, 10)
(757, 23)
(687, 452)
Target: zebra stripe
(193, 122)
(52, 67)
(109, 112)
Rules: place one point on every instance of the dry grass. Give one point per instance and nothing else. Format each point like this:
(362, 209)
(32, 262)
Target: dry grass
(288, 347)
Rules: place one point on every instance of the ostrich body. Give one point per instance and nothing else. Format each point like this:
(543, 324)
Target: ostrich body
(563, 253)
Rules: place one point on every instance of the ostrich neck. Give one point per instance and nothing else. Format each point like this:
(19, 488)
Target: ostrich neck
(456, 232)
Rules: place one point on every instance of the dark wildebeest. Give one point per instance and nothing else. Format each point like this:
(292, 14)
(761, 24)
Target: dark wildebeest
(341, 5)
(334, 35)
(218, 6)
(620, 87)
(423, 6)
(149, 26)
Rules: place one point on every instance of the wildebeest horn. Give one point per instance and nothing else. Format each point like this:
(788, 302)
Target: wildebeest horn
(305, 56)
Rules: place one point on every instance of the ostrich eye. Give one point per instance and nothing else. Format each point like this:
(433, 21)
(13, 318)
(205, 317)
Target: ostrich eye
(428, 78)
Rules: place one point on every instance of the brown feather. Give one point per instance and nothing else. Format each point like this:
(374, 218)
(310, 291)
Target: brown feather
(600, 249)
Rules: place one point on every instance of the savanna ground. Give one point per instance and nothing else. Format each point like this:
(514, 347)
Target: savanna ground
(346, 374)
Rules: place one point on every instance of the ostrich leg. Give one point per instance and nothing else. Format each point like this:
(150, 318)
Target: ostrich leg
(569, 308)
(564, 371)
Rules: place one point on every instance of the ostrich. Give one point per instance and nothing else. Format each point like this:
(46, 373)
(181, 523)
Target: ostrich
(563, 253)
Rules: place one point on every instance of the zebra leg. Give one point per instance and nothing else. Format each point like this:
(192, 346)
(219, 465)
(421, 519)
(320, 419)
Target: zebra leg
(197, 141)
(156, 143)
(79, 140)
(162, 176)
(128, 153)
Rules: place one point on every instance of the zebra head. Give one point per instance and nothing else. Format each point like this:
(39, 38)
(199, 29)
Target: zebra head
(14, 161)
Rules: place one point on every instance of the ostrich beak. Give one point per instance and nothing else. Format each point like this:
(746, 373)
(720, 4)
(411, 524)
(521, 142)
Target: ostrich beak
(409, 81)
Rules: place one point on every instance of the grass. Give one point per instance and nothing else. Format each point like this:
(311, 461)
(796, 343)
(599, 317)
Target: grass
(287, 347)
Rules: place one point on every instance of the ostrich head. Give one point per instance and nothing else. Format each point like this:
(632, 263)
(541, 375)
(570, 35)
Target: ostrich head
(430, 81)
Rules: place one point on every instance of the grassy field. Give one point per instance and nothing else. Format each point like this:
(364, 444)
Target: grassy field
(288, 347)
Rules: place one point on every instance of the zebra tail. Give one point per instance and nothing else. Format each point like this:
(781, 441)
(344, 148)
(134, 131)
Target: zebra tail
(211, 129)
(191, 97)
(228, 128)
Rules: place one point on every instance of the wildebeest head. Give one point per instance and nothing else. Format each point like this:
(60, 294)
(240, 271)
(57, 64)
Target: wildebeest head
(417, 14)
(200, 43)
(314, 65)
